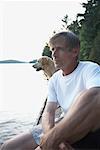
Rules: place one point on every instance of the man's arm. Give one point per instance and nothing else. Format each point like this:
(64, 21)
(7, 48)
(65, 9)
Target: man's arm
(82, 117)
(48, 122)
(48, 118)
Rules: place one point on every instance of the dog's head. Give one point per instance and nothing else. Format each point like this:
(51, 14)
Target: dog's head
(46, 64)
(42, 63)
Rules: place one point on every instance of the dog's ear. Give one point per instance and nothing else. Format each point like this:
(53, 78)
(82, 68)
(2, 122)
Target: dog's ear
(44, 61)
(50, 61)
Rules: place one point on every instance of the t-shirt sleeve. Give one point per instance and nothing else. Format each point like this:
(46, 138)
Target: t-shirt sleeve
(93, 76)
(52, 97)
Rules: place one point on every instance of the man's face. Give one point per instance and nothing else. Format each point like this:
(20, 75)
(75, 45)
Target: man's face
(61, 55)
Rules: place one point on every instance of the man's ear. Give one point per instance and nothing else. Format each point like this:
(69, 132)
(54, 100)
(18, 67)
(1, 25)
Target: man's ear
(75, 52)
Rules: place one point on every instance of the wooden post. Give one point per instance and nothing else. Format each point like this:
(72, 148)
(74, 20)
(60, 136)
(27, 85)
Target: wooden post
(41, 112)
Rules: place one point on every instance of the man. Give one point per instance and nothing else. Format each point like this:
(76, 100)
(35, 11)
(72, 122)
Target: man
(76, 88)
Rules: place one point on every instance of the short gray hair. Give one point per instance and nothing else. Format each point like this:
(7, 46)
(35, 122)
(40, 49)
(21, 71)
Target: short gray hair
(71, 39)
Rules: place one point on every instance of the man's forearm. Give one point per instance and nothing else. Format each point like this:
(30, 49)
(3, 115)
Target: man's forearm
(47, 122)
(80, 119)
(48, 119)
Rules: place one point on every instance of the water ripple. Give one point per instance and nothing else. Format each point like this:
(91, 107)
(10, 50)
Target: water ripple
(13, 124)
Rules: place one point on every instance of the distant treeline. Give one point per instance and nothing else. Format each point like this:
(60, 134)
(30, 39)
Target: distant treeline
(87, 27)
(15, 61)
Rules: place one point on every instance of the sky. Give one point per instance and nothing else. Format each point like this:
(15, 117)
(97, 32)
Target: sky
(25, 27)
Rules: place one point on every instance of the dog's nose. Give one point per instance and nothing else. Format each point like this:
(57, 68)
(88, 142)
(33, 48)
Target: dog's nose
(34, 65)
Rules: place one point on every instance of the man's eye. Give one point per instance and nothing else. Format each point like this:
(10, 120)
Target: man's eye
(51, 49)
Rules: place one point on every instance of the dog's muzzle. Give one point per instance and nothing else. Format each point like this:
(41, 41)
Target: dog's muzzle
(37, 68)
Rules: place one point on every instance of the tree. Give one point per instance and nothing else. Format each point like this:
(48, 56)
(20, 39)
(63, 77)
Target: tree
(65, 22)
(74, 27)
(46, 51)
(90, 27)
(95, 52)
(87, 27)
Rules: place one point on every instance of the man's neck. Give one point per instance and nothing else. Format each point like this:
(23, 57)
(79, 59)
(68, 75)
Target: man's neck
(70, 69)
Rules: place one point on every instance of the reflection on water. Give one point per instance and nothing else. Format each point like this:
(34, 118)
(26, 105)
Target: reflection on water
(12, 124)
(22, 90)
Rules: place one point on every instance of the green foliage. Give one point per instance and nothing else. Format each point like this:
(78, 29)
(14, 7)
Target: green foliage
(74, 27)
(95, 52)
(87, 27)
(65, 22)
(46, 51)
(90, 26)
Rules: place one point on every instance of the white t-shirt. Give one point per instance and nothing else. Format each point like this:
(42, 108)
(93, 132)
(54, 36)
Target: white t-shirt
(64, 89)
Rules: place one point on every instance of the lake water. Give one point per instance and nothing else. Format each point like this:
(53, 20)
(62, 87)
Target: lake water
(12, 124)
(23, 91)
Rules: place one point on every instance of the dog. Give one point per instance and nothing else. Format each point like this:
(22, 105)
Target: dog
(46, 64)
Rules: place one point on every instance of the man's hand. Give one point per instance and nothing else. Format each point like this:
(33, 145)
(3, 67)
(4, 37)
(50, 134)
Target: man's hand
(47, 143)
(62, 146)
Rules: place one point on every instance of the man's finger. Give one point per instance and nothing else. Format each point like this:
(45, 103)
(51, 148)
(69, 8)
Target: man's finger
(62, 146)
